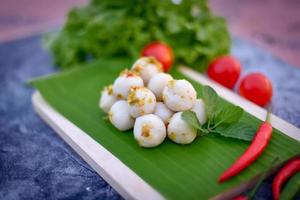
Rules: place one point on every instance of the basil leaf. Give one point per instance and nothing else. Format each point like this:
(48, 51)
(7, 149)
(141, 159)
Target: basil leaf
(229, 114)
(210, 98)
(239, 130)
(190, 117)
(212, 135)
(222, 119)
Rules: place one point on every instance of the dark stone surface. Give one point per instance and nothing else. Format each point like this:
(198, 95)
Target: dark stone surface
(36, 164)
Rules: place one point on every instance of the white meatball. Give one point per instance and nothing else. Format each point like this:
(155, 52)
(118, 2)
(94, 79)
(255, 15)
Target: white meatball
(147, 67)
(179, 95)
(158, 83)
(124, 82)
(107, 98)
(149, 130)
(179, 131)
(141, 101)
(163, 112)
(119, 116)
(199, 109)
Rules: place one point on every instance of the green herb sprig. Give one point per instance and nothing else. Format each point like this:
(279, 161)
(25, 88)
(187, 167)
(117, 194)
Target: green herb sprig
(223, 120)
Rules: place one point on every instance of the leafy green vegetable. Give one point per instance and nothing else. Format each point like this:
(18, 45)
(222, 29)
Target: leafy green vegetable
(113, 28)
(222, 120)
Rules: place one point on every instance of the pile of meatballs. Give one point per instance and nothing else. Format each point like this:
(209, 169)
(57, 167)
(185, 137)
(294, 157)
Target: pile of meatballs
(151, 102)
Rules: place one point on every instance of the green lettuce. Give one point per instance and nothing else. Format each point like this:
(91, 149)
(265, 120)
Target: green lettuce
(113, 28)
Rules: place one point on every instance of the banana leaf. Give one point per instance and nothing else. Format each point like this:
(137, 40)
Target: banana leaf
(176, 171)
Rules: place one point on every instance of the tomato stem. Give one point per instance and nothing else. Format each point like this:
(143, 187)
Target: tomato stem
(269, 110)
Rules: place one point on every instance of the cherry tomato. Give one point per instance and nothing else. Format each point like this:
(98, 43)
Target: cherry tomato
(225, 70)
(161, 51)
(257, 88)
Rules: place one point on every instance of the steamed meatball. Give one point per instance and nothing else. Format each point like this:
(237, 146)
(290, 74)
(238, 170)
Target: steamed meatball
(158, 83)
(119, 116)
(199, 109)
(163, 112)
(179, 95)
(124, 82)
(107, 98)
(179, 131)
(149, 130)
(141, 101)
(147, 67)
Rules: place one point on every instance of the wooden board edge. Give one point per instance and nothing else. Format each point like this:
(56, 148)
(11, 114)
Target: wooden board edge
(128, 184)
(253, 109)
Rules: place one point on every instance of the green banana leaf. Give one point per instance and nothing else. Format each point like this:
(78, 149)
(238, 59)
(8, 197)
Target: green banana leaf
(176, 171)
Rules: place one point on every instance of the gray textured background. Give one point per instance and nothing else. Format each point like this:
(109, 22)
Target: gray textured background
(36, 164)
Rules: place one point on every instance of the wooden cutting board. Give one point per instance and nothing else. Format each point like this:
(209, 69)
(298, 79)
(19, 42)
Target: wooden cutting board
(116, 173)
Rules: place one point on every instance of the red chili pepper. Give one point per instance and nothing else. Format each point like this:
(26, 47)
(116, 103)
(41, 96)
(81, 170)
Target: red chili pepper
(241, 197)
(288, 170)
(259, 143)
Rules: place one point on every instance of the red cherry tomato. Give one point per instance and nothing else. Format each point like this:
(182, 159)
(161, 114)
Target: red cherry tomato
(257, 88)
(161, 51)
(225, 70)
